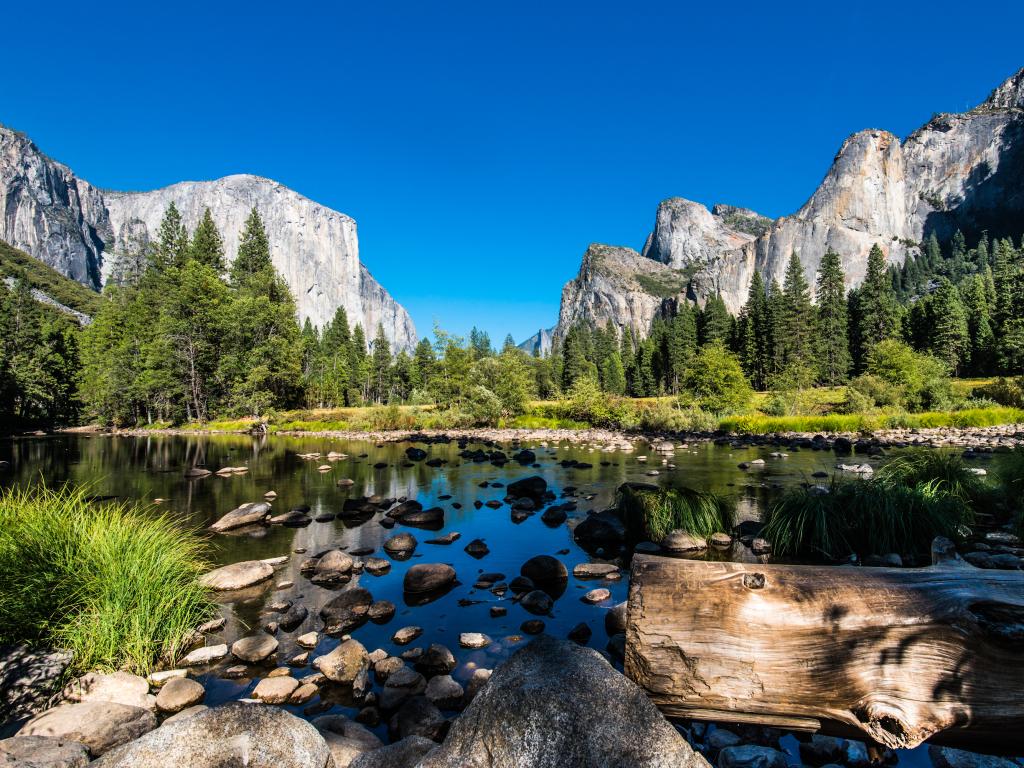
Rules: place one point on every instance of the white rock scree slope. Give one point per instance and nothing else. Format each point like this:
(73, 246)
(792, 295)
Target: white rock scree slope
(76, 228)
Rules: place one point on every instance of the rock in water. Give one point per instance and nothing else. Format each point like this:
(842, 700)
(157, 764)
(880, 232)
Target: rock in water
(427, 577)
(237, 576)
(247, 514)
(559, 704)
(236, 734)
(402, 754)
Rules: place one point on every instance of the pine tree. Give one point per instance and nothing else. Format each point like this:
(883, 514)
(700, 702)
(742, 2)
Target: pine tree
(613, 374)
(776, 347)
(358, 368)
(877, 315)
(253, 251)
(172, 246)
(949, 338)
(682, 345)
(380, 367)
(713, 325)
(833, 343)
(798, 315)
(207, 246)
(753, 333)
(979, 326)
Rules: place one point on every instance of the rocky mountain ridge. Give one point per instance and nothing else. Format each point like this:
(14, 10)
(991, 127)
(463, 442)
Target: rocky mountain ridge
(957, 171)
(78, 229)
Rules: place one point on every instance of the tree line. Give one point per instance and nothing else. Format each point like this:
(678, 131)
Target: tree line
(182, 336)
(964, 307)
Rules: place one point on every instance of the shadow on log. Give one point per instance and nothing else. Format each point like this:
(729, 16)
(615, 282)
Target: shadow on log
(898, 655)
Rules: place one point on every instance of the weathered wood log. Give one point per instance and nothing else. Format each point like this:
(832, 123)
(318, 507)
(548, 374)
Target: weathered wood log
(899, 655)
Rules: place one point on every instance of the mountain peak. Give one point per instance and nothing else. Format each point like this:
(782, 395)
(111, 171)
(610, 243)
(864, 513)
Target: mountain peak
(1009, 95)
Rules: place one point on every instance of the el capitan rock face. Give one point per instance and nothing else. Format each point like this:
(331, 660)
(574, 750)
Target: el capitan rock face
(958, 171)
(77, 229)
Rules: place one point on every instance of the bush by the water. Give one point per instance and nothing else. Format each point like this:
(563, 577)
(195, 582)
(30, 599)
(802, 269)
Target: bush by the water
(865, 517)
(946, 469)
(114, 583)
(659, 511)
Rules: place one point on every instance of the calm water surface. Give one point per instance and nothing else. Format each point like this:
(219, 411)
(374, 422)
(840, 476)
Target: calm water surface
(152, 467)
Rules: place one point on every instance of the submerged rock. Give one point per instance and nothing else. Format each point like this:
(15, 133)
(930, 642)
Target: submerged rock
(558, 704)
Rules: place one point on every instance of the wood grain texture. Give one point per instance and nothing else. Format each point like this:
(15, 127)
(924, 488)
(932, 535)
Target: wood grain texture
(898, 654)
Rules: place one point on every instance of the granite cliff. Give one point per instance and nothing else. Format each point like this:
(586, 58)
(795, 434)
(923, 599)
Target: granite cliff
(77, 229)
(961, 171)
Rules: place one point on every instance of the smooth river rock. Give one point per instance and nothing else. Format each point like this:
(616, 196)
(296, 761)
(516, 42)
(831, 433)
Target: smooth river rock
(234, 735)
(237, 576)
(42, 752)
(247, 514)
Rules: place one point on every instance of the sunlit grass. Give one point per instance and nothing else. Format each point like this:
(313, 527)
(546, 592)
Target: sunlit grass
(114, 583)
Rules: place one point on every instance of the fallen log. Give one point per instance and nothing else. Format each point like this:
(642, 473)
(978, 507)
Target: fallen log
(897, 655)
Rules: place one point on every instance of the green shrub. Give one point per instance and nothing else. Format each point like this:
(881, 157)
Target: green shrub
(1009, 392)
(656, 512)
(922, 381)
(668, 416)
(115, 584)
(715, 381)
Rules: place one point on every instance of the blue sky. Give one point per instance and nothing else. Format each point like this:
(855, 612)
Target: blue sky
(482, 146)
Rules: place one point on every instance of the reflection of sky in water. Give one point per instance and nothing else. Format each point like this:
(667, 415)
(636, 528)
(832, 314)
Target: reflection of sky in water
(147, 468)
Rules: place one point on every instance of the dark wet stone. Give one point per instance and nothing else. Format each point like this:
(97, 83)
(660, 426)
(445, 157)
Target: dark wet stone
(544, 569)
(381, 612)
(428, 577)
(538, 602)
(436, 660)
(477, 548)
(580, 633)
(400, 543)
(534, 487)
(532, 626)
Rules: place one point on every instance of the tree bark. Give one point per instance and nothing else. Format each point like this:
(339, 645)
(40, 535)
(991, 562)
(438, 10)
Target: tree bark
(899, 655)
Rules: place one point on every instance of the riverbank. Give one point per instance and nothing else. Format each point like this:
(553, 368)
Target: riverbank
(981, 439)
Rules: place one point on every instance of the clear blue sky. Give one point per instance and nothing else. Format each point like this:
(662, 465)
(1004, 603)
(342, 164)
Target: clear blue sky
(481, 146)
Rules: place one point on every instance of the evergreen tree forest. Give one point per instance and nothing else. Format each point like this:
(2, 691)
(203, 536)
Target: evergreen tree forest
(183, 337)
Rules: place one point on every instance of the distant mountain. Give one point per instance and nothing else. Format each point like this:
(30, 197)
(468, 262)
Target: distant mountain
(77, 229)
(961, 171)
(539, 343)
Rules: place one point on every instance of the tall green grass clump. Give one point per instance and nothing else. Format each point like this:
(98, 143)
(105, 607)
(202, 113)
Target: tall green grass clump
(657, 511)
(1009, 471)
(946, 469)
(114, 583)
(864, 517)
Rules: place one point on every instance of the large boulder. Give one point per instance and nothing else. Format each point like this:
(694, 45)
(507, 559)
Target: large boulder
(555, 703)
(237, 734)
(41, 752)
(237, 576)
(346, 738)
(402, 754)
(100, 725)
(247, 514)
(115, 687)
(947, 757)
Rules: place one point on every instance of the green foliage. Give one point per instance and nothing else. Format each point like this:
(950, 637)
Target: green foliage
(1009, 392)
(39, 361)
(922, 379)
(19, 265)
(113, 583)
(715, 381)
(833, 348)
(670, 416)
(864, 517)
(653, 513)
